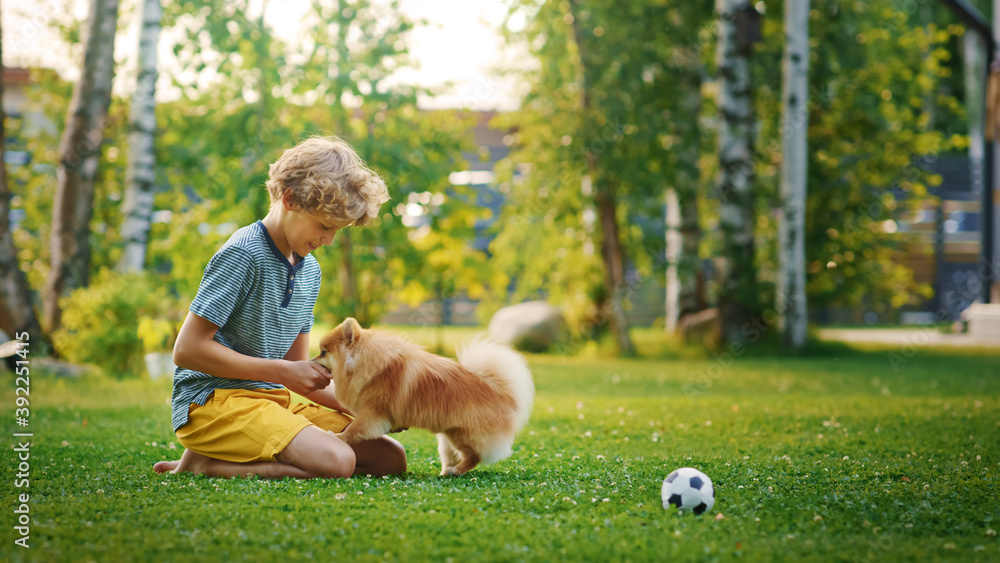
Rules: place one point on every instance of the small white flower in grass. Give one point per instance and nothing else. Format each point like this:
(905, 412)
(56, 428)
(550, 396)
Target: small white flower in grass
(605, 500)
(719, 517)
(979, 548)
(817, 517)
(949, 546)
(708, 423)
(846, 458)
(600, 456)
(579, 404)
(677, 533)
(991, 532)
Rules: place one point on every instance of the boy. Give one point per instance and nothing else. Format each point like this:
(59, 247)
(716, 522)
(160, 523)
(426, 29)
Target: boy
(245, 342)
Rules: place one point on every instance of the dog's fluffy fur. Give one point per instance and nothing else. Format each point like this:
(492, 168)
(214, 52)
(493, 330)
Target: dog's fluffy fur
(476, 405)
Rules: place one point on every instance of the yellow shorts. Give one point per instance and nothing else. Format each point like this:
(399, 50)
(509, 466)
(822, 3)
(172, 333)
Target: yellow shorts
(242, 425)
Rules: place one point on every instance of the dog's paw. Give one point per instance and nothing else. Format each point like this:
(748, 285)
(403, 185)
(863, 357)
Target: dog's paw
(345, 437)
(450, 472)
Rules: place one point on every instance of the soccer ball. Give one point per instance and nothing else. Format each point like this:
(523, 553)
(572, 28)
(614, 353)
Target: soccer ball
(687, 490)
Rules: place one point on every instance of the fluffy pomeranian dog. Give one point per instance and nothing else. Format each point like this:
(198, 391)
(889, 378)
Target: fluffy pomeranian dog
(476, 405)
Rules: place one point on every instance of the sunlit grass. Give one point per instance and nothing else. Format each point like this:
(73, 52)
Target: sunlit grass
(841, 456)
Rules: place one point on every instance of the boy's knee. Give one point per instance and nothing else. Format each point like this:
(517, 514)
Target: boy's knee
(336, 461)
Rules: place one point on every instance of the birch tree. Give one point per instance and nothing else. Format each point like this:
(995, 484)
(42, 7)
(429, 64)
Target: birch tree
(738, 295)
(141, 172)
(16, 312)
(790, 301)
(683, 230)
(79, 152)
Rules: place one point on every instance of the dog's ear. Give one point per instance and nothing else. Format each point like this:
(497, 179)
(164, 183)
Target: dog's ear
(352, 330)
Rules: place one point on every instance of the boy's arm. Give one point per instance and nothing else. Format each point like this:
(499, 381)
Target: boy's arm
(195, 349)
(299, 352)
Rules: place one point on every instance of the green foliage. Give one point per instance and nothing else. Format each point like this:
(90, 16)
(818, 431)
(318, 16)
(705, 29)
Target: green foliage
(265, 97)
(812, 459)
(117, 319)
(882, 106)
(633, 56)
(876, 75)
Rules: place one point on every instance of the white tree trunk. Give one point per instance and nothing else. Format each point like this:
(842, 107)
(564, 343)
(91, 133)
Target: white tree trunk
(683, 295)
(79, 153)
(141, 172)
(673, 224)
(737, 128)
(790, 300)
(975, 104)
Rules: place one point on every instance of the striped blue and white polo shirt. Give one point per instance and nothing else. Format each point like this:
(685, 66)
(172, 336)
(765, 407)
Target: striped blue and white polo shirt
(259, 301)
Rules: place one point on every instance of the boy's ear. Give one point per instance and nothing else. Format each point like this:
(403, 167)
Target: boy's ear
(352, 330)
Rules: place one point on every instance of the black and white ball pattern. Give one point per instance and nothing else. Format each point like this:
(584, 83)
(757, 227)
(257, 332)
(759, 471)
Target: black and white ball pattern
(688, 489)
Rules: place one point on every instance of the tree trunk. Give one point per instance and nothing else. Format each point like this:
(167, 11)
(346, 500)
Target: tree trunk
(614, 265)
(738, 295)
(79, 153)
(611, 248)
(347, 275)
(673, 253)
(691, 298)
(141, 172)
(790, 301)
(17, 316)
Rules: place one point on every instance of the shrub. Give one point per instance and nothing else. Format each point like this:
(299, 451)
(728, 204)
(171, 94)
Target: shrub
(101, 323)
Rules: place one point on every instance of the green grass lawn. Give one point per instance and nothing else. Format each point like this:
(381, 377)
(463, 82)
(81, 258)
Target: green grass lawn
(845, 457)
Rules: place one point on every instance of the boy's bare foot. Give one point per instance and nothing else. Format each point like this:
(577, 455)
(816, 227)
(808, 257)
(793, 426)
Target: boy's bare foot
(165, 466)
(190, 462)
(198, 464)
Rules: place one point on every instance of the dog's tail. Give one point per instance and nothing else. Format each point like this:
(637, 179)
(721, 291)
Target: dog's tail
(491, 361)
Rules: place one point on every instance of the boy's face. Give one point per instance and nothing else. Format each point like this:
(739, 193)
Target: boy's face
(307, 231)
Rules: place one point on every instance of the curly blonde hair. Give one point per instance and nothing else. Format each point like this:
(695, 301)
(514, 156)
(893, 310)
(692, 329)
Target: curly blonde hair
(324, 176)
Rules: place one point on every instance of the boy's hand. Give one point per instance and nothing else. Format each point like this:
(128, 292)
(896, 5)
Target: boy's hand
(305, 377)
